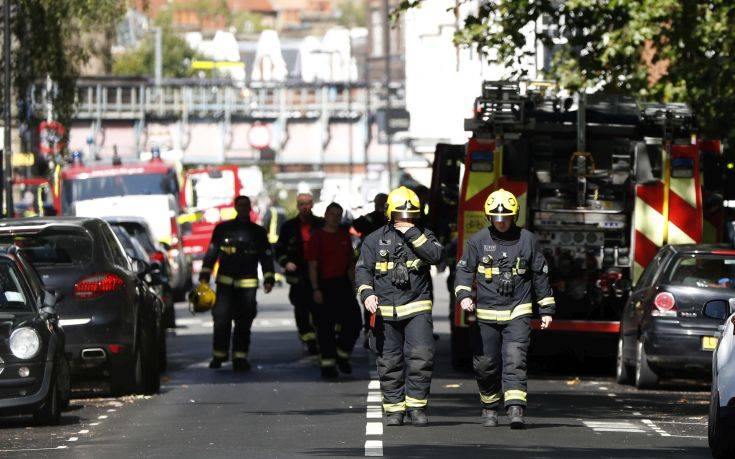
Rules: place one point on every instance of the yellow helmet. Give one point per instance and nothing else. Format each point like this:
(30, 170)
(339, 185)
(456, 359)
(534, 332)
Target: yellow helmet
(202, 298)
(501, 204)
(404, 203)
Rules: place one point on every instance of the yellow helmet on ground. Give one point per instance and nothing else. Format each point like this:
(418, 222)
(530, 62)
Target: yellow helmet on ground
(202, 298)
(404, 203)
(500, 205)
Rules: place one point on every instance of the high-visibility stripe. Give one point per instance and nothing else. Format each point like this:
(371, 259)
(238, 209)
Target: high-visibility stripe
(413, 263)
(240, 355)
(205, 270)
(328, 362)
(415, 402)
(505, 316)
(267, 275)
(546, 301)
(492, 398)
(273, 228)
(459, 288)
(364, 287)
(514, 395)
(394, 407)
(219, 354)
(309, 336)
(384, 265)
(238, 283)
(342, 354)
(406, 309)
(421, 240)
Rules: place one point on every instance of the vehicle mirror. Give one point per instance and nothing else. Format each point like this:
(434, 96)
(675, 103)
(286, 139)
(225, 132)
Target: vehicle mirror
(48, 312)
(716, 309)
(140, 267)
(155, 274)
(50, 299)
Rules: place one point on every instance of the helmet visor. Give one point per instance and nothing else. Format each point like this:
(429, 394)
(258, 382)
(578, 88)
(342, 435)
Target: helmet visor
(509, 218)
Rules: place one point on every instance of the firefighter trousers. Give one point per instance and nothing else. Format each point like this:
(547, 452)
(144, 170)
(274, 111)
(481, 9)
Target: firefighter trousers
(337, 320)
(238, 305)
(405, 358)
(302, 299)
(499, 359)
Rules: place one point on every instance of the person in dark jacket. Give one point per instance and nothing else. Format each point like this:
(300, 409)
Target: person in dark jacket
(392, 279)
(506, 264)
(239, 245)
(336, 313)
(295, 235)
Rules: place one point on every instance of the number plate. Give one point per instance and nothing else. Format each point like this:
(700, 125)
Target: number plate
(709, 343)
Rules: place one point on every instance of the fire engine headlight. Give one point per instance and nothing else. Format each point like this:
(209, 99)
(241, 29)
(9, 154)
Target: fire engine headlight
(25, 343)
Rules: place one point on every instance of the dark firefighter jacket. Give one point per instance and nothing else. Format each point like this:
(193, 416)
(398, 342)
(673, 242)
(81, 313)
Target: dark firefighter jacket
(381, 251)
(489, 262)
(239, 247)
(369, 223)
(290, 248)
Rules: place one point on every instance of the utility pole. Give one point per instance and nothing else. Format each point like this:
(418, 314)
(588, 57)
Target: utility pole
(386, 57)
(159, 56)
(5, 165)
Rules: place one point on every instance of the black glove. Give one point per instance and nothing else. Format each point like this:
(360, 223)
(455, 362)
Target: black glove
(505, 283)
(399, 274)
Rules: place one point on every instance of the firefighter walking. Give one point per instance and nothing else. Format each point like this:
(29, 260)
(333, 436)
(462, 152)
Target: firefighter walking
(392, 278)
(238, 245)
(295, 235)
(508, 268)
(336, 313)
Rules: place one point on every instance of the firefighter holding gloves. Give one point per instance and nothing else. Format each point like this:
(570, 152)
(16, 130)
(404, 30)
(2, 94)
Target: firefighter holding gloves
(239, 245)
(393, 281)
(507, 266)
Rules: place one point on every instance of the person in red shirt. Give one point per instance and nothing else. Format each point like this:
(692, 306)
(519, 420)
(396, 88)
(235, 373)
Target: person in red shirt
(336, 312)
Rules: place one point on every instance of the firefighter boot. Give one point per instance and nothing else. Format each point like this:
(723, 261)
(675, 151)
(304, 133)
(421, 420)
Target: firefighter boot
(329, 373)
(489, 418)
(311, 347)
(395, 419)
(344, 366)
(418, 417)
(515, 413)
(215, 363)
(240, 364)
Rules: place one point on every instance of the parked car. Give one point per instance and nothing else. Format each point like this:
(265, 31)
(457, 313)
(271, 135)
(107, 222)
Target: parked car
(110, 321)
(721, 425)
(34, 371)
(139, 230)
(151, 285)
(663, 330)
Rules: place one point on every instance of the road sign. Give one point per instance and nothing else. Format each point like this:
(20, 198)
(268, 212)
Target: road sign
(259, 136)
(51, 135)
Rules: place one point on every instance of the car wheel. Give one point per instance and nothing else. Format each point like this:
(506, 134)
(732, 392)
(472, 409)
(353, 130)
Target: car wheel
(720, 438)
(163, 354)
(169, 315)
(64, 382)
(623, 372)
(151, 359)
(128, 379)
(645, 377)
(50, 411)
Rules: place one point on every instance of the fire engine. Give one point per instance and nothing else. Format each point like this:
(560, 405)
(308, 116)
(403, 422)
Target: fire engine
(603, 187)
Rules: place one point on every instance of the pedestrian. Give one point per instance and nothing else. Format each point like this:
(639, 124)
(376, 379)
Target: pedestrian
(336, 312)
(273, 221)
(365, 225)
(238, 245)
(295, 234)
(392, 276)
(508, 268)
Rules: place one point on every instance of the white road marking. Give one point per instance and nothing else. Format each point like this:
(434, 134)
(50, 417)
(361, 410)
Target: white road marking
(374, 448)
(102, 417)
(31, 449)
(374, 428)
(614, 426)
(656, 428)
(94, 423)
(82, 432)
(603, 388)
(374, 397)
(636, 413)
(374, 385)
(73, 439)
(111, 410)
(374, 414)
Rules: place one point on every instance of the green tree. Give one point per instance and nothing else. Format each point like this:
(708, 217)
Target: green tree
(352, 13)
(51, 42)
(670, 50)
(176, 57)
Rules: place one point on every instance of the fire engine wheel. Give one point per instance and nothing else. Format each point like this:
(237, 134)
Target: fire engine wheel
(623, 372)
(645, 377)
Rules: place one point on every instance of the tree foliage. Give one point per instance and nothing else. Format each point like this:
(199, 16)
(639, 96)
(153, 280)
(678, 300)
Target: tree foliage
(668, 50)
(176, 57)
(51, 42)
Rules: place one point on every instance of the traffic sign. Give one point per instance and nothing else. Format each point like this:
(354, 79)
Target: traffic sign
(259, 136)
(50, 137)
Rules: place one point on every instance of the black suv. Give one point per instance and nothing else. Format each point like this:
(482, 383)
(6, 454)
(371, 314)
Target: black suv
(34, 372)
(107, 312)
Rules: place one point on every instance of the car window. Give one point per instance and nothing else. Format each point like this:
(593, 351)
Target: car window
(138, 231)
(117, 253)
(14, 296)
(54, 246)
(703, 271)
(649, 273)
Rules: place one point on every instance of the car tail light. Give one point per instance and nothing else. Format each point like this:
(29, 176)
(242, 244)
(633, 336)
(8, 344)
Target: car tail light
(665, 305)
(175, 236)
(97, 285)
(158, 256)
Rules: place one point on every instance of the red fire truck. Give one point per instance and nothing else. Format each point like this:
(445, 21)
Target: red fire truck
(603, 187)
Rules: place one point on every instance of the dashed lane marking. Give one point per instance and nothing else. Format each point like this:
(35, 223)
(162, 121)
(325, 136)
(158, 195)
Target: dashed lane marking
(374, 397)
(655, 428)
(374, 412)
(614, 426)
(373, 448)
(374, 428)
(374, 385)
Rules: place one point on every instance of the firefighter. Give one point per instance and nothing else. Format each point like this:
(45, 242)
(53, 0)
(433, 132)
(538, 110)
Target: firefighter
(392, 278)
(272, 222)
(508, 268)
(238, 245)
(295, 235)
(336, 313)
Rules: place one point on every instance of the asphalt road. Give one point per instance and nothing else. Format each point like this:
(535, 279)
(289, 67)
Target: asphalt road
(282, 409)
